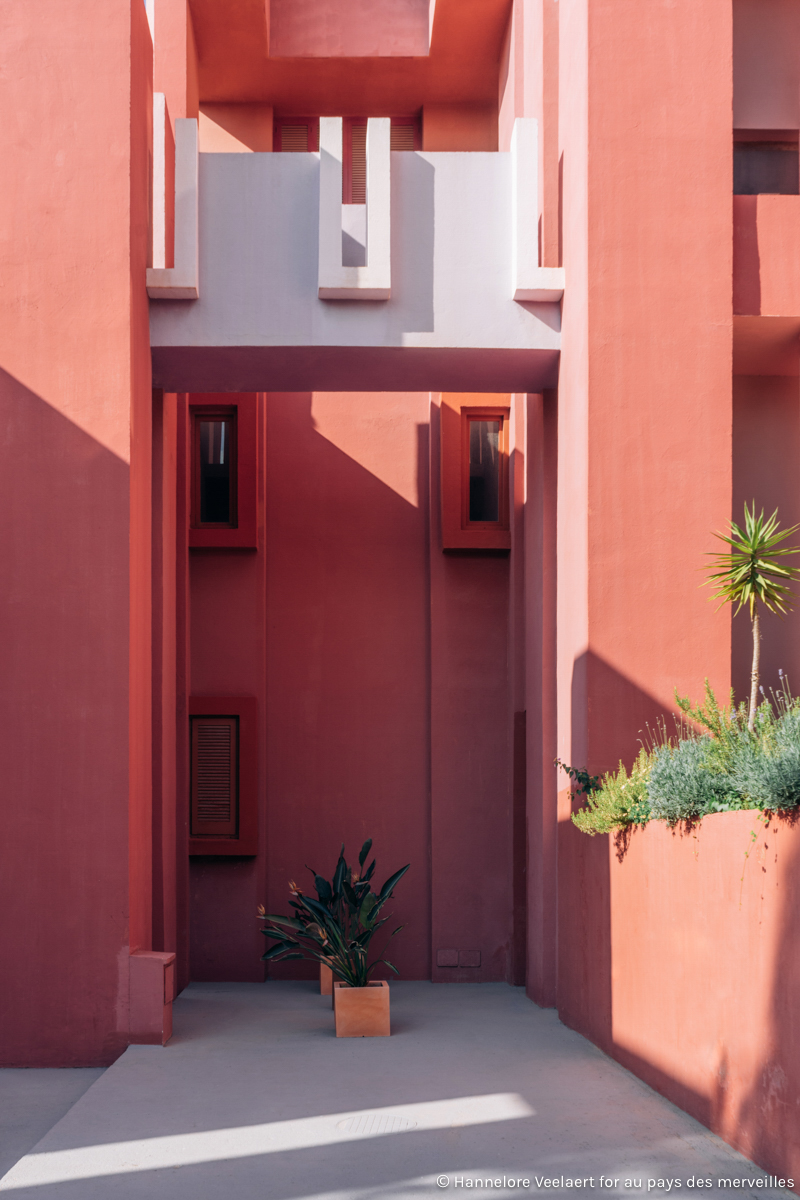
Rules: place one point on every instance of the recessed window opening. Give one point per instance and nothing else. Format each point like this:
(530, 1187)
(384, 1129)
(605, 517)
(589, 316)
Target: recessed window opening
(484, 470)
(296, 135)
(214, 491)
(764, 165)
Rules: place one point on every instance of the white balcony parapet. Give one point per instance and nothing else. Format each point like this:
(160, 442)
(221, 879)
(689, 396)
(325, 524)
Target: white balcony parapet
(374, 280)
(179, 282)
(530, 281)
(450, 323)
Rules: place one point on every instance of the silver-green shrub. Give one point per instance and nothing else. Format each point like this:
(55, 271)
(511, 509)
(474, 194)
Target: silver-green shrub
(682, 782)
(766, 772)
(691, 774)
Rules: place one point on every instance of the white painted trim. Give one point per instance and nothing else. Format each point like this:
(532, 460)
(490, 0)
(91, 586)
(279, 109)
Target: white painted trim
(530, 281)
(159, 180)
(372, 282)
(181, 281)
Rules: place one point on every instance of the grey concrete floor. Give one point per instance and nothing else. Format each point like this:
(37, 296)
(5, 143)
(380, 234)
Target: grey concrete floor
(255, 1099)
(31, 1102)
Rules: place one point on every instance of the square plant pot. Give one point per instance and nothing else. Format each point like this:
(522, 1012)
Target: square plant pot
(325, 980)
(362, 1012)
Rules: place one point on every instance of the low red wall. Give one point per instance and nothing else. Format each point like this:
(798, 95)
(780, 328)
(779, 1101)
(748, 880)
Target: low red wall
(694, 972)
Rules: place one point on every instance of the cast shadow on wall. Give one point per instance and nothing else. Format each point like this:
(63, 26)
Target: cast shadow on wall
(347, 620)
(586, 980)
(64, 661)
(610, 715)
(764, 1124)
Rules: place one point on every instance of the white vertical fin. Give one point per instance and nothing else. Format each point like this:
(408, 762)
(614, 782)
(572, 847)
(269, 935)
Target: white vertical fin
(181, 281)
(159, 180)
(373, 281)
(530, 281)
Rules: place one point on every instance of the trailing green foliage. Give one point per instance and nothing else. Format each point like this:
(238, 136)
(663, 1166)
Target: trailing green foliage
(618, 800)
(714, 762)
(336, 928)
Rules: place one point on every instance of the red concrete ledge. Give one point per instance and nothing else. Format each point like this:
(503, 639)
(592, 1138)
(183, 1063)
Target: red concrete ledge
(152, 990)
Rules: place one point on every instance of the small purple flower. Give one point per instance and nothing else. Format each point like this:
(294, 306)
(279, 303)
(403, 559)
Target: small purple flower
(780, 672)
(761, 690)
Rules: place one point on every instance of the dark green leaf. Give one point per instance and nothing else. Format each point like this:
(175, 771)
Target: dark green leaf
(391, 882)
(339, 874)
(275, 951)
(324, 890)
(365, 849)
(289, 922)
(314, 906)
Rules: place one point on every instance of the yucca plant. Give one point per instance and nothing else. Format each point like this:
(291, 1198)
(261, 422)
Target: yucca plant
(755, 570)
(336, 928)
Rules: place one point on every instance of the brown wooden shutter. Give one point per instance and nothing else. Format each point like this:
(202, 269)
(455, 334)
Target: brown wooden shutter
(294, 138)
(403, 137)
(215, 777)
(358, 164)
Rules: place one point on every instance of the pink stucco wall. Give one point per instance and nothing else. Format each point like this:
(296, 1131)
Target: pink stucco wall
(704, 929)
(381, 669)
(75, 396)
(644, 436)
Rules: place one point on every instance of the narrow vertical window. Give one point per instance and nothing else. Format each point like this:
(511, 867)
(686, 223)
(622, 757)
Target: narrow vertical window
(214, 468)
(484, 470)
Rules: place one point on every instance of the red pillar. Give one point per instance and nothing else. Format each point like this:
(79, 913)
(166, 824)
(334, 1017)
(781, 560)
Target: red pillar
(644, 408)
(75, 537)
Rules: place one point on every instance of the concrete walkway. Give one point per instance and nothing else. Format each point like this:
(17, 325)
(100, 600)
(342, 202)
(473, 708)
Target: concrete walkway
(255, 1099)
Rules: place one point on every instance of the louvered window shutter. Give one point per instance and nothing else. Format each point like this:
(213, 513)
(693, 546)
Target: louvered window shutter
(403, 137)
(215, 777)
(358, 164)
(294, 138)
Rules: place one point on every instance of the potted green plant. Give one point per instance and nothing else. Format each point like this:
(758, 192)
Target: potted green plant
(335, 929)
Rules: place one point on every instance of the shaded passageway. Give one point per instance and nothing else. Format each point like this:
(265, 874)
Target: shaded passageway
(255, 1097)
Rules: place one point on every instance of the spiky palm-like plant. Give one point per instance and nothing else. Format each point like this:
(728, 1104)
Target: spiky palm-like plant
(755, 570)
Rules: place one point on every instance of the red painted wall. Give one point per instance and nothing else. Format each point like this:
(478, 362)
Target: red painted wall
(644, 409)
(331, 625)
(766, 445)
(228, 657)
(471, 753)
(348, 753)
(166, 856)
(704, 930)
(75, 400)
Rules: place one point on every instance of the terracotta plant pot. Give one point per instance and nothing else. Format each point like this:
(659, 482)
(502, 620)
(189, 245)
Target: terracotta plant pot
(361, 1012)
(325, 980)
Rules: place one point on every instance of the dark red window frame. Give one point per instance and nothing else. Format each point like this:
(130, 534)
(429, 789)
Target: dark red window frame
(211, 413)
(468, 415)
(458, 531)
(243, 840)
(243, 535)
